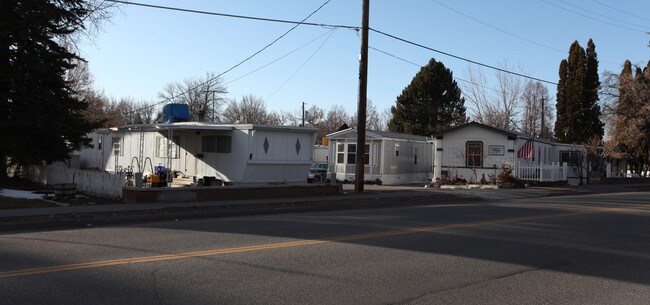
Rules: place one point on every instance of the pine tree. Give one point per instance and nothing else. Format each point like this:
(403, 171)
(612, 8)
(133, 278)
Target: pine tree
(41, 120)
(430, 103)
(578, 112)
(561, 128)
(593, 126)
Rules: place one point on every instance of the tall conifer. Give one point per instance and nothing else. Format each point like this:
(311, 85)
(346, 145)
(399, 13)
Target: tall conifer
(578, 112)
(40, 118)
(432, 102)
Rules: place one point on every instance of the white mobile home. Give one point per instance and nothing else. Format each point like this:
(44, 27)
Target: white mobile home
(391, 158)
(475, 150)
(233, 153)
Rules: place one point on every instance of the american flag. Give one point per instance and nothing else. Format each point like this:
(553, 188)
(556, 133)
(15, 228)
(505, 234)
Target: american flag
(527, 151)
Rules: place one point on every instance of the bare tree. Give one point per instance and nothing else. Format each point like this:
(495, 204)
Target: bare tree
(99, 12)
(499, 108)
(536, 107)
(627, 109)
(476, 93)
(335, 118)
(81, 83)
(511, 89)
(249, 110)
(598, 155)
(126, 111)
(473, 161)
(384, 118)
(372, 117)
(313, 116)
(204, 96)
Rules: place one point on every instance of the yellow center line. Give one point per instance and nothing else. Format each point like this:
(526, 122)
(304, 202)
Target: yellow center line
(147, 259)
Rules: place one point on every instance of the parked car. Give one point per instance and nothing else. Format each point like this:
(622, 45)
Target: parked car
(317, 172)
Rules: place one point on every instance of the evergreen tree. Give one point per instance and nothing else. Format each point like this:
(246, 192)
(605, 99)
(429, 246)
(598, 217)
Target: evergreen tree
(591, 109)
(41, 119)
(561, 129)
(430, 103)
(578, 112)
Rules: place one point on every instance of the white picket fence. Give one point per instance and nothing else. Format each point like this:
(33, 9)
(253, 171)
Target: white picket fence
(97, 183)
(542, 172)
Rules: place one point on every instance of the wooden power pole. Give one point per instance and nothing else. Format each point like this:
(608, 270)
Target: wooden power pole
(361, 110)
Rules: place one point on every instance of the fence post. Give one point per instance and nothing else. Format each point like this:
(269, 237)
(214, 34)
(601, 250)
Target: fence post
(565, 167)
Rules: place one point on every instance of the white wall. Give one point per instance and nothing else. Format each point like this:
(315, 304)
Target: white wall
(453, 144)
(383, 164)
(286, 158)
(246, 163)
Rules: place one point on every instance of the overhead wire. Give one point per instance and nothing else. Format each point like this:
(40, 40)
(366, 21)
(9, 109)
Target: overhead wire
(590, 17)
(497, 28)
(303, 22)
(418, 65)
(602, 15)
(509, 33)
(303, 65)
(178, 9)
(621, 11)
(296, 24)
(460, 57)
(281, 57)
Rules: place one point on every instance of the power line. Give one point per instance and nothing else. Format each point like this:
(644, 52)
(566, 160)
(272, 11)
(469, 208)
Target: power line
(592, 18)
(418, 65)
(622, 11)
(509, 33)
(498, 29)
(178, 9)
(281, 57)
(395, 56)
(296, 24)
(601, 15)
(461, 58)
(303, 65)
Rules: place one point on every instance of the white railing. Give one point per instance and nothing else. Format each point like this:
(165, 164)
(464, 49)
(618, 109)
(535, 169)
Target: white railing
(97, 183)
(542, 172)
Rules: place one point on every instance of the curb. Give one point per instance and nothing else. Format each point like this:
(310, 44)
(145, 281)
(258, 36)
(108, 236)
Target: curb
(82, 220)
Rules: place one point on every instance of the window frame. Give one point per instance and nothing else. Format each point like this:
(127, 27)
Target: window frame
(351, 153)
(340, 153)
(571, 157)
(161, 147)
(116, 146)
(474, 157)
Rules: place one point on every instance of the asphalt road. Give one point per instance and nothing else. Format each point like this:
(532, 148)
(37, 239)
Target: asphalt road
(587, 249)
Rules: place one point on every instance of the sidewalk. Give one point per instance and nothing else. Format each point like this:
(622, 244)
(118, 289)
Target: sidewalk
(373, 196)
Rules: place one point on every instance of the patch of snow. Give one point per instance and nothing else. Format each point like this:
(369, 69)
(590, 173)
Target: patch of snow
(20, 194)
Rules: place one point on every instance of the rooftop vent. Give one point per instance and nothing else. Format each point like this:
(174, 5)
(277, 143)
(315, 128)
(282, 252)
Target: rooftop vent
(176, 113)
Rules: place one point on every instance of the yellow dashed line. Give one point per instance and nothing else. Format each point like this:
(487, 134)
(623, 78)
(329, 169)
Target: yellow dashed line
(147, 259)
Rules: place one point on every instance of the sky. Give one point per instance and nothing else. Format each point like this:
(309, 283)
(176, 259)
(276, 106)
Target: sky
(142, 49)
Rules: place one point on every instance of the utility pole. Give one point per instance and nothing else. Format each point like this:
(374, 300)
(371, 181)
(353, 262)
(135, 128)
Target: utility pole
(214, 111)
(303, 114)
(361, 110)
(542, 132)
